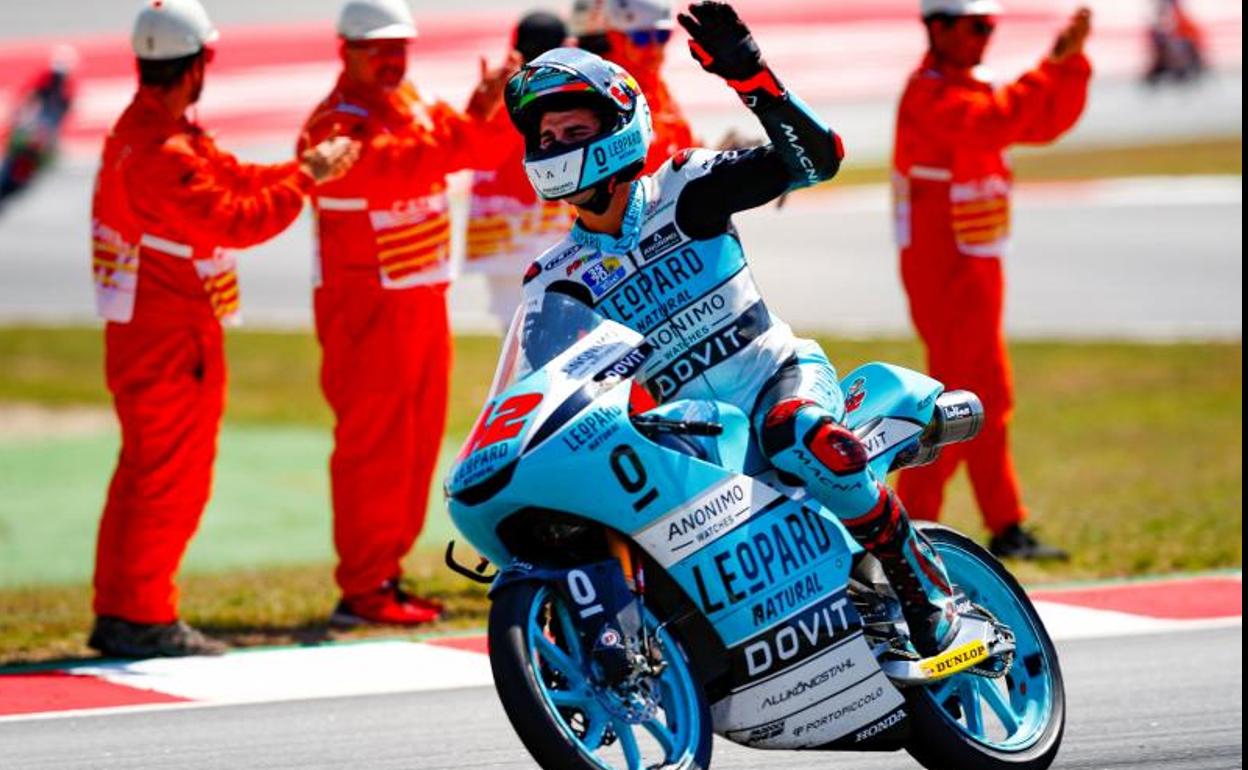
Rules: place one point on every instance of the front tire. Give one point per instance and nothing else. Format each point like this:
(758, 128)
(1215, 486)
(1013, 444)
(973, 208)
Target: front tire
(971, 722)
(548, 688)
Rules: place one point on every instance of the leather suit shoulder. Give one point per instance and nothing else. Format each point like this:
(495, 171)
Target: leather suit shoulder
(554, 263)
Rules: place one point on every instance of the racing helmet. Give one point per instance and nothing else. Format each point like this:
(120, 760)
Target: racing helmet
(571, 78)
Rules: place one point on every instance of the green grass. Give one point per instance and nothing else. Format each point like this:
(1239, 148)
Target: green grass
(273, 375)
(1130, 456)
(275, 605)
(1060, 163)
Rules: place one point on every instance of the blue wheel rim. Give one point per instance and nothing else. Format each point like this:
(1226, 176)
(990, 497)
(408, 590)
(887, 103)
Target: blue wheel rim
(669, 738)
(1008, 714)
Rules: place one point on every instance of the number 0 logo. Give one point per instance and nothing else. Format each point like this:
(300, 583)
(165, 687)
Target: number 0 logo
(631, 474)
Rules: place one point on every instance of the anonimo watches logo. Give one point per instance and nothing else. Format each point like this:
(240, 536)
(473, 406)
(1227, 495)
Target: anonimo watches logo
(704, 519)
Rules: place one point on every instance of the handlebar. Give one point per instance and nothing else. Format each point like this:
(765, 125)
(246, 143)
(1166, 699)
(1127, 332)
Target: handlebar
(647, 424)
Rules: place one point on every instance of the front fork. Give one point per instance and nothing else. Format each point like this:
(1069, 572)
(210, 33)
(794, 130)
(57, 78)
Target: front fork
(608, 600)
(621, 549)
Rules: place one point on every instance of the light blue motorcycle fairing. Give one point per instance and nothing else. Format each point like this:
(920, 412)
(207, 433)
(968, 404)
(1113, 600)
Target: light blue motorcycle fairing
(888, 407)
(767, 570)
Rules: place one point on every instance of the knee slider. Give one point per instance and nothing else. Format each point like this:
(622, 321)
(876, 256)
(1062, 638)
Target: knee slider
(836, 447)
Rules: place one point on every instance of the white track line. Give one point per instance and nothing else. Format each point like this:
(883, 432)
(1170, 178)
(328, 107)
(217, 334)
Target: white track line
(375, 668)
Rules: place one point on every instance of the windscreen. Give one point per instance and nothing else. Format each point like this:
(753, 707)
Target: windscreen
(540, 331)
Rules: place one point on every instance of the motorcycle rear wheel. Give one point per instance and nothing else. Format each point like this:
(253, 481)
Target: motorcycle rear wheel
(547, 687)
(973, 722)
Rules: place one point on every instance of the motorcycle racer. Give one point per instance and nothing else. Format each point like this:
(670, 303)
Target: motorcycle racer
(660, 254)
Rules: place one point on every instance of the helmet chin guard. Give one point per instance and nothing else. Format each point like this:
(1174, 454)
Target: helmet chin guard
(569, 78)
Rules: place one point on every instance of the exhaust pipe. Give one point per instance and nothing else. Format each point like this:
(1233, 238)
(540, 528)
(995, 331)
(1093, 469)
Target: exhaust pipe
(958, 416)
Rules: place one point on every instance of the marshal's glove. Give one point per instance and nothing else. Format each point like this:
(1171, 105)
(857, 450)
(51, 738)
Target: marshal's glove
(723, 45)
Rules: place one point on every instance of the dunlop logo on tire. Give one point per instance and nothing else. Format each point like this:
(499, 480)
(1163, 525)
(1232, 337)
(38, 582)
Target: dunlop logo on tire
(955, 660)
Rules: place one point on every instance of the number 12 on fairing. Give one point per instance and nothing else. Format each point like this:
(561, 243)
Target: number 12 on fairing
(506, 422)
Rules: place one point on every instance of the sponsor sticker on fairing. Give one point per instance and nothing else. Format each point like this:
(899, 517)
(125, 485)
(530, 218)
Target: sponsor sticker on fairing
(752, 562)
(863, 703)
(625, 366)
(594, 358)
(880, 727)
(787, 687)
(769, 730)
(888, 433)
(813, 629)
(855, 395)
(702, 520)
(598, 425)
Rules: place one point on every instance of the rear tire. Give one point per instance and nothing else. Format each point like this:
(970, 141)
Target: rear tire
(1034, 693)
(543, 730)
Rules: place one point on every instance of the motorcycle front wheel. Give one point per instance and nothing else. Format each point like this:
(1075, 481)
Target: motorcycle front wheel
(975, 722)
(567, 717)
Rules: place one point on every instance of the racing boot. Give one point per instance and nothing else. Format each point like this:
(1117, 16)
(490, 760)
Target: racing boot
(914, 570)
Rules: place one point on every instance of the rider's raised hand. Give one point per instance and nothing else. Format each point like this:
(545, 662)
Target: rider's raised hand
(723, 45)
(721, 42)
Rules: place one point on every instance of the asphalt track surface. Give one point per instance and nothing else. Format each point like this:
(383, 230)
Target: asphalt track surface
(1170, 700)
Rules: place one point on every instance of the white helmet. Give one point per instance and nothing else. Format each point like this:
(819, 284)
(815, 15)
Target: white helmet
(171, 29)
(376, 20)
(632, 15)
(959, 7)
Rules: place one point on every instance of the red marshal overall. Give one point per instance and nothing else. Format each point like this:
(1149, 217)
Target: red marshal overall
(952, 206)
(168, 203)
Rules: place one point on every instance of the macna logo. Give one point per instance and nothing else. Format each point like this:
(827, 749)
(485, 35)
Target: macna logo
(955, 660)
(799, 154)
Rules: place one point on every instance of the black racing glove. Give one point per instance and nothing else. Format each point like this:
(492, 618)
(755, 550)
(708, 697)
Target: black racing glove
(723, 45)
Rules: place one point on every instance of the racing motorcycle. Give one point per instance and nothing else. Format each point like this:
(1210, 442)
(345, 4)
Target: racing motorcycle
(34, 133)
(659, 583)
